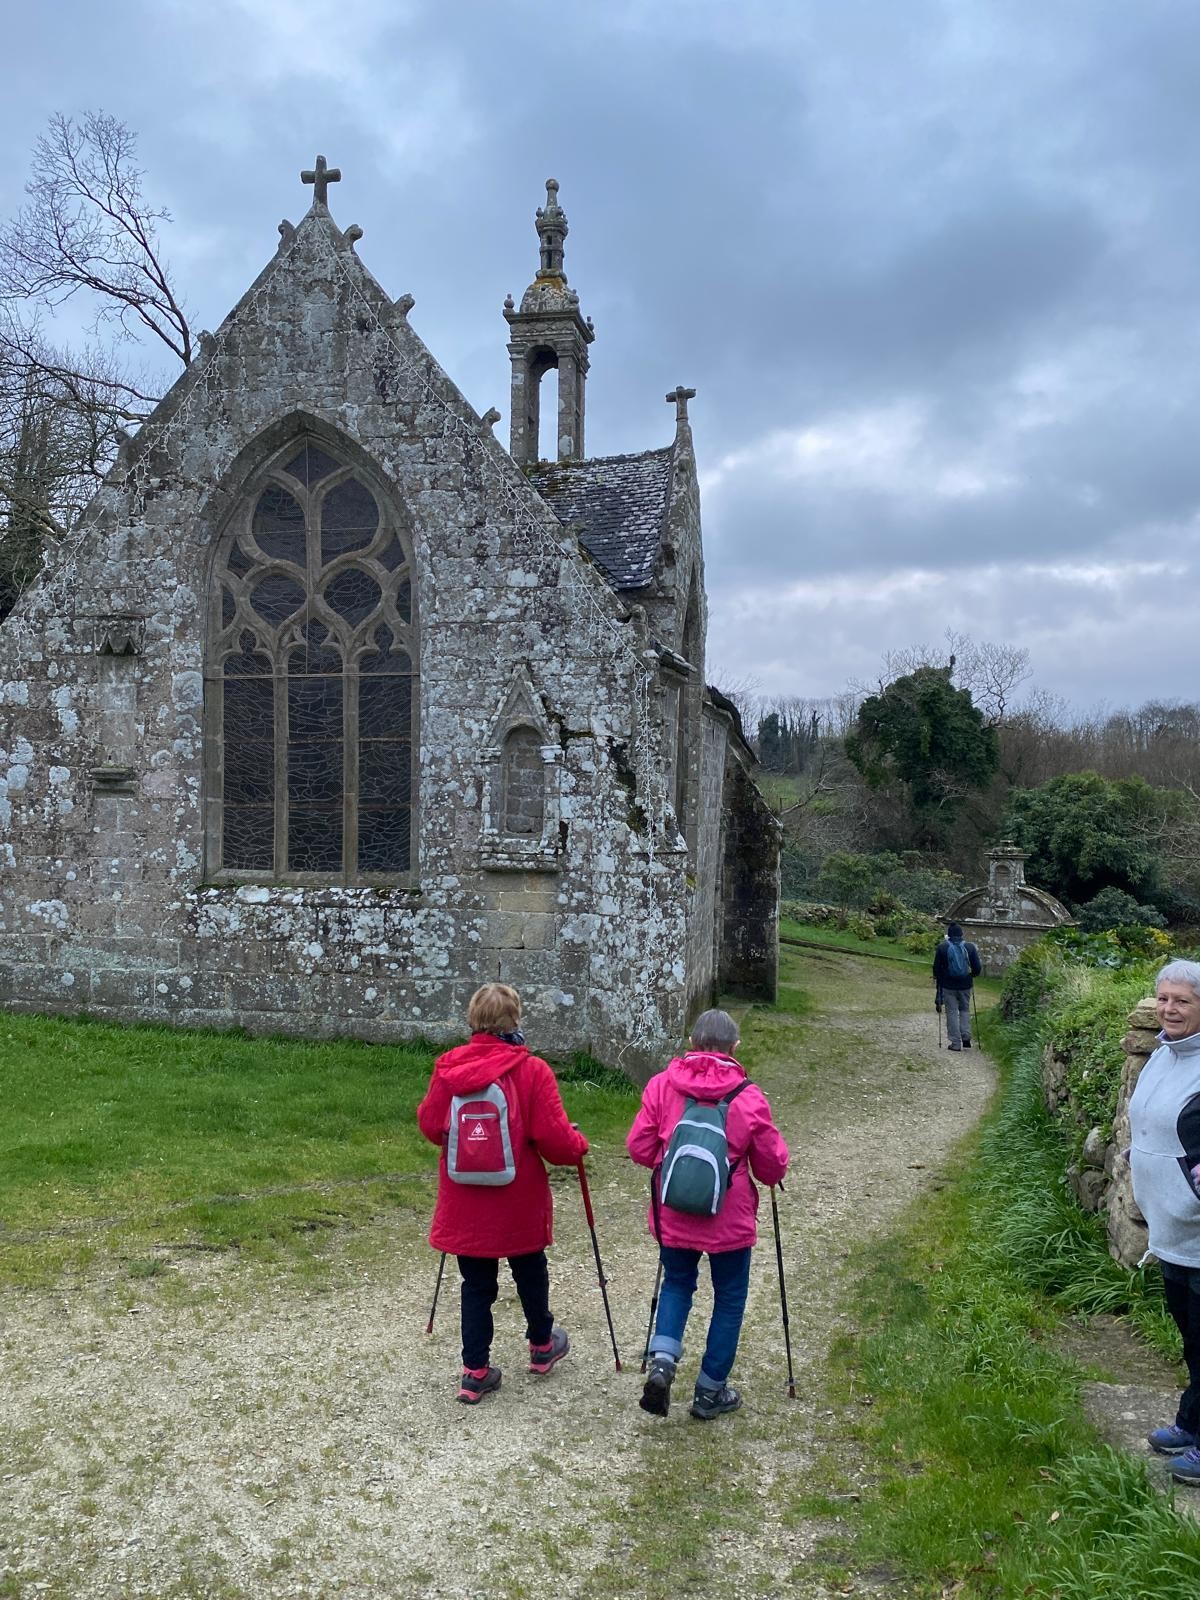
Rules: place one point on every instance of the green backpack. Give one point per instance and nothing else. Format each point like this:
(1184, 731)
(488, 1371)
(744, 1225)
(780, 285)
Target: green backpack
(695, 1170)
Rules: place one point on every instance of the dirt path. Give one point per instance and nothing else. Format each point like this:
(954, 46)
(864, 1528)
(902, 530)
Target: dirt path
(239, 1432)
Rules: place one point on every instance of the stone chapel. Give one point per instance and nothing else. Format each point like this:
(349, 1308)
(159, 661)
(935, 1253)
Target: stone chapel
(331, 708)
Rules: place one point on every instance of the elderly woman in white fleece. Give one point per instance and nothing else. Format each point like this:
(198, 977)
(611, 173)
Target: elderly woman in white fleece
(1164, 1120)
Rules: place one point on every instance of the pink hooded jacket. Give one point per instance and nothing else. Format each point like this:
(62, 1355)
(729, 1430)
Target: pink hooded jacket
(755, 1146)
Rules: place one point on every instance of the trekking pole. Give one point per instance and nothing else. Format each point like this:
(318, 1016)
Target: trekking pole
(787, 1337)
(437, 1289)
(603, 1281)
(653, 1311)
(654, 1180)
(938, 1009)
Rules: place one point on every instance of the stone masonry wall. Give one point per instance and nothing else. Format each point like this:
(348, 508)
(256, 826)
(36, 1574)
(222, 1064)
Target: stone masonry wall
(104, 906)
(750, 943)
(704, 919)
(1101, 1180)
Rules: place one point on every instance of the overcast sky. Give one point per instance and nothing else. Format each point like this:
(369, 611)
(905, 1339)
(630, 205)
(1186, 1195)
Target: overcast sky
(934, 269)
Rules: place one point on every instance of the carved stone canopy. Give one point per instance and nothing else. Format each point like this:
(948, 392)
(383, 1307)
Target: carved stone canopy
(119, 635)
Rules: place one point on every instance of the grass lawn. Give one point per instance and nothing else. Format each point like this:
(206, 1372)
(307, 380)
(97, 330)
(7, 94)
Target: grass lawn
(123, 1137)
(830, 938)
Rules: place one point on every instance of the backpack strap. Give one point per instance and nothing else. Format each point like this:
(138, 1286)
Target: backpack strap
(724, 1101)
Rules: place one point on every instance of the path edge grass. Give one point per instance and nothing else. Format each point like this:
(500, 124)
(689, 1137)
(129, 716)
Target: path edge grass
(985, 1479)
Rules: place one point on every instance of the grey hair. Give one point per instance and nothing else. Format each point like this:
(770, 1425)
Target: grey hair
(1181, 972)
(716, 1030)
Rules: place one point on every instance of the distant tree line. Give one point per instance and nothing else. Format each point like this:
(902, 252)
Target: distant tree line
(951, 750)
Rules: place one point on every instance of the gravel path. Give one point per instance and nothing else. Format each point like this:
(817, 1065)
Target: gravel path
(240, 1431)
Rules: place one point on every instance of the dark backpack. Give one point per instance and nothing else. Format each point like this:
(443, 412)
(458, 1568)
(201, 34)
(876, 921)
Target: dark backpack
(481, 1141)
(958, 962)
(695, 1170)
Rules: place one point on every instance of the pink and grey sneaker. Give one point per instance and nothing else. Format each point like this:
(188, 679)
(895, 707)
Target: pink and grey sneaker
(544, 1356)
(476, 1382)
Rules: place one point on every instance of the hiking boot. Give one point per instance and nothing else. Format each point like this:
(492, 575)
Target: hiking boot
(476, 1382)
(656, 1391)
(1171, 1441)
(710, 1403)
(966, 1044)
(544, 1356)
(1185, 1468)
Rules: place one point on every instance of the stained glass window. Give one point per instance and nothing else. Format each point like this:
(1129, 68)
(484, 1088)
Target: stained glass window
(311, 686)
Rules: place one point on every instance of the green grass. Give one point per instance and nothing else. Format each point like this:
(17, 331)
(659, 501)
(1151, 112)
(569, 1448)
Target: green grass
(841, 939)
(991, 1483)
(137, 1135)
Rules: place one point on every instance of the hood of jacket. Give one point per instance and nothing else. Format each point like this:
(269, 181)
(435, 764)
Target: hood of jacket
(483, 1059)
(704, 1074)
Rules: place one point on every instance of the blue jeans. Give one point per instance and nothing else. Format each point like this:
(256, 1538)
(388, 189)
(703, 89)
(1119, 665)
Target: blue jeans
(730, 1271)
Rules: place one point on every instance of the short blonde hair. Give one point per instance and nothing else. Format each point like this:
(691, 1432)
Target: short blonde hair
(496, 1008)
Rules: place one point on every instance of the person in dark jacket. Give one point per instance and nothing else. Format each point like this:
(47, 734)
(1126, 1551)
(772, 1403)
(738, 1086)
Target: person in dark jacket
(956, 965)
(479, 1224)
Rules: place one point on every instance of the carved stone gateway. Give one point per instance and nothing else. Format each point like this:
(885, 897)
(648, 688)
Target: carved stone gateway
(1006, 914)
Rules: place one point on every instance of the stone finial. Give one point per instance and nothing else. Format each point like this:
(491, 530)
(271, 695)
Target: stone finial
(352, 235)
(509, 303)
(680, 396)
(490, 417)
(287, 231)
(551, 224)
(321, 177)
(404, 303)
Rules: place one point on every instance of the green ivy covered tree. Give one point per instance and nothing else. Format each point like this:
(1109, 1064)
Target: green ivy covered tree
(1085, 833)
(923, 733)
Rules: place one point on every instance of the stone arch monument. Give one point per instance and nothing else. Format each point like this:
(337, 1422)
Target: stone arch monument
(1005, 914)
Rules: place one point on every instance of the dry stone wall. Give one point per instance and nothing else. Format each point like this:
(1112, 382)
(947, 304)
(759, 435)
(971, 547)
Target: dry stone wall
(1100, 1179)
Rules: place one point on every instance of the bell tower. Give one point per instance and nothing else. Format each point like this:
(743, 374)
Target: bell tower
(547, 333)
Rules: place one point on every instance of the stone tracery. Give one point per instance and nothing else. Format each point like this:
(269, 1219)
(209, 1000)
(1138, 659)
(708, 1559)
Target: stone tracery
(310, 680)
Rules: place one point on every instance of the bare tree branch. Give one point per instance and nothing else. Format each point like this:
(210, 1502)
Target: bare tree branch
(87, 227)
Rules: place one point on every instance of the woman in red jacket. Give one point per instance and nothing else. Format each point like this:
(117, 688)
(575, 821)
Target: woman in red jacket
(497, 1204)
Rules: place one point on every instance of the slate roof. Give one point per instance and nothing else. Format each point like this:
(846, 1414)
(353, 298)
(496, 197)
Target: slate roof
(617, 505)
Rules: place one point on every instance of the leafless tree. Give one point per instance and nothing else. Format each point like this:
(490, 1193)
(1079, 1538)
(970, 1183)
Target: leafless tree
(87, 228)
(991, 672)
(86, 232)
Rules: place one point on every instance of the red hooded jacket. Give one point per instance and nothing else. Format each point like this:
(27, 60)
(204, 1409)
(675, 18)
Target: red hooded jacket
(516, 1218)
(755, 1146)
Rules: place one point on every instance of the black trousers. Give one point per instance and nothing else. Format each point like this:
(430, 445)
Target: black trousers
(1183, 1301)
(480, 1286)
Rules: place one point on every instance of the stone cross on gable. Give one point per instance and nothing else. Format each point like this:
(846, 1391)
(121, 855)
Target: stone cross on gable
(681, 396)
(320, 179)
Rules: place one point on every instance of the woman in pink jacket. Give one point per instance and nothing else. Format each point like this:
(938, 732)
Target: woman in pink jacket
(708, 1073)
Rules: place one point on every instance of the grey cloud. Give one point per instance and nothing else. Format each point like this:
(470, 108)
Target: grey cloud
(807, 211)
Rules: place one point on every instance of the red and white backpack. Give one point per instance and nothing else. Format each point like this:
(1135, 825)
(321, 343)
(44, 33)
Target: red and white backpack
(481, 1142)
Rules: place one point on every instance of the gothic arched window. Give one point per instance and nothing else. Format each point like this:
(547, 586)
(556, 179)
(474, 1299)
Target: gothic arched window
(311, 680)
